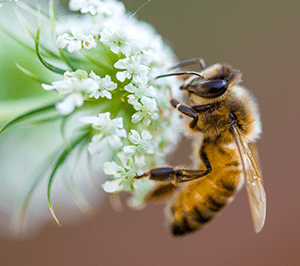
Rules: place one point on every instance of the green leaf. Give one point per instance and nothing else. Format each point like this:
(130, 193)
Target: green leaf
(43, 61)
(30, 114)
(69, 183)
(52, 12)
(30, 74)
(29, 31)
(62, 130)
(45, 120)
(99, 56)
(59, 162)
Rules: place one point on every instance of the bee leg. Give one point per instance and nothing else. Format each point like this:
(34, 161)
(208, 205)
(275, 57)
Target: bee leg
(178, 175)
(173, 175)
(186, 110)
(189, 62)
(184, 175)
(201, 108)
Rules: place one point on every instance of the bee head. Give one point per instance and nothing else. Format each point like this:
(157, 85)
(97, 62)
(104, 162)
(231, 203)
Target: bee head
(208, 89)
(210, 83)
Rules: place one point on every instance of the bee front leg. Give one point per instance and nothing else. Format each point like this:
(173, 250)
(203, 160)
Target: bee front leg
(186, 110)
(189, 62)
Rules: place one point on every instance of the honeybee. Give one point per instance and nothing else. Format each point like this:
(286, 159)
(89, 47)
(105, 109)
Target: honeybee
(224, 121)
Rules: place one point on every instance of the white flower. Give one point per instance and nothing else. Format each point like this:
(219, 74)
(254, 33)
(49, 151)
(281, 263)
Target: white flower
(142, 141)
(110, 132)
(77, 42)
(111, 186)
(138, 93)
(96, 7)
(134, 69)
(128, 55)
(76, 86)
(147, 112)
(74, 82)
(124, 177)
(68, 105)
(116, 38)
(105, 85)
(76, 5)
(142, 146)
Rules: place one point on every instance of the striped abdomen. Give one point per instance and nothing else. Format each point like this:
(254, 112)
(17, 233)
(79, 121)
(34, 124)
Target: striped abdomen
(201, 200)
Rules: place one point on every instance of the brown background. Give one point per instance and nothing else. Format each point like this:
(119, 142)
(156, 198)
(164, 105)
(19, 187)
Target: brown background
(262, 38)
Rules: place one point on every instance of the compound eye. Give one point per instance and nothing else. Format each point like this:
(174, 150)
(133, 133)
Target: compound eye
(212, 88)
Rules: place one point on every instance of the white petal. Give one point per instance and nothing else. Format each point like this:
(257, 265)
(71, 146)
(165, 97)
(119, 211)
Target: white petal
(74, 46)
(89, 42)
(155, 116)
(69, 103)
(129, 149)
(97, 147)
(88, 119)
(150, 149)
(106, 94)
(112, 186)
(146, 135)
(122, 63)
(139, 160)
(136, 117)
(115, 48)
(150, 92)
(121, 132)
(48, 87)
(134, 136)
(103, 118)
(130, 88)
(121, 76)
(62, 42)
(114, 141)
(119, 122)
(126, 49)
(146, 121)
(76, 5)
(111, 168)
(126, 159)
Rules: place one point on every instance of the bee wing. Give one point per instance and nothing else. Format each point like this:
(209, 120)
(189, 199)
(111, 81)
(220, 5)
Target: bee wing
(253, 180)
(254, 153)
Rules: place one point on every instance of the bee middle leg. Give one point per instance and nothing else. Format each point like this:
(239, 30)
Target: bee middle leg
(173, 175)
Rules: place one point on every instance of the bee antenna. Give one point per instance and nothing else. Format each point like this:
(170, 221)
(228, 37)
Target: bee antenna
(180, 73)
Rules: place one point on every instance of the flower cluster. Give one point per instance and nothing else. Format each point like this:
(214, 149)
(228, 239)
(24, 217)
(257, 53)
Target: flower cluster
(111, 61)
(76, 42)
(77, 86)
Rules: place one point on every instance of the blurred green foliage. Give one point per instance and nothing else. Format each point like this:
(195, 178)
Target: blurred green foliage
(14, 84)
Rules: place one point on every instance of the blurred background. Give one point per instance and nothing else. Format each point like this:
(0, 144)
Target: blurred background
(262, 39)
